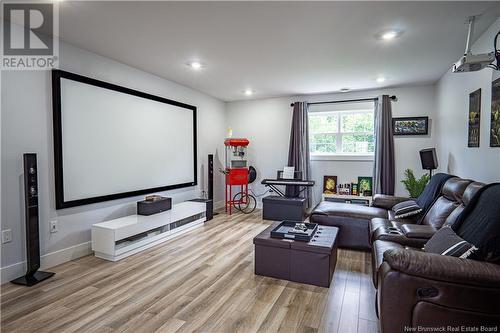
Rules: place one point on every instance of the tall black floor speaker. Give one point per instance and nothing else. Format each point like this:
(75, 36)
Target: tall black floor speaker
(33, 275)
(210, 185)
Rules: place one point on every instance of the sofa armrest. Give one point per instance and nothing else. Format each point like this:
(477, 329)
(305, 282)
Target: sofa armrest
(443, 268)
(386, 201)
(418, 230)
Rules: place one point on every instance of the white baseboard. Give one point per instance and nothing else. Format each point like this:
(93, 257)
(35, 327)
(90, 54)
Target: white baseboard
(9, 273)
(219, 205)
(48, 260)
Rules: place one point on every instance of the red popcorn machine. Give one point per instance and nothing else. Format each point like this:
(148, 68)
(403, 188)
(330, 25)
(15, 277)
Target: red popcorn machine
(236, 171)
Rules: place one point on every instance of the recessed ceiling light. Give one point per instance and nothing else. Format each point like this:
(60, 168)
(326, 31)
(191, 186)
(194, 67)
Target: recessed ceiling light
(248, 92)
(196, 65)
(380, 79)
(389, 34)
(344, 89)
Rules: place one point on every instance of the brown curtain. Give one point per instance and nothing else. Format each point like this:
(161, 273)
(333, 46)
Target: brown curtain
(383, 166)
(298, 152)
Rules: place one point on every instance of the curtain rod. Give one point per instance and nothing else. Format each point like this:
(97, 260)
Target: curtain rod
(393, 97)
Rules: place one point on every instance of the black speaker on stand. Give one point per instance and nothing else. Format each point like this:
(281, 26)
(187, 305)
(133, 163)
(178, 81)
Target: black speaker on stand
(429, 160)
(209, 201)
(210, 186)
(33, 275)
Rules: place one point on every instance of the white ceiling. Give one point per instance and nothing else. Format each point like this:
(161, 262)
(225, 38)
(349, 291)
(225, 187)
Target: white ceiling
(277, 48)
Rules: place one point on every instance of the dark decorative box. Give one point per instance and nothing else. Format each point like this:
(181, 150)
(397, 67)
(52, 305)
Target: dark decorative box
(150, 207)
(285, 230)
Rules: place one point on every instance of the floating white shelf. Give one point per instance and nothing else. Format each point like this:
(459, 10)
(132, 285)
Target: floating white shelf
(116, 239)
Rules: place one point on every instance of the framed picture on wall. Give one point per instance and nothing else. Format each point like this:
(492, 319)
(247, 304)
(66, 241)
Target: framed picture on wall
(365, 186)
(330, 185)
(474, 118)
(495, 114)
(410, 126)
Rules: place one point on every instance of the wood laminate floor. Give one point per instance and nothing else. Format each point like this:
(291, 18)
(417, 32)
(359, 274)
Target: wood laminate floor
(201, 281)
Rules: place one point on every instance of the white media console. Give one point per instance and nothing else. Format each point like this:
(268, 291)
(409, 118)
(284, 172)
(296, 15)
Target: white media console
(116, 239)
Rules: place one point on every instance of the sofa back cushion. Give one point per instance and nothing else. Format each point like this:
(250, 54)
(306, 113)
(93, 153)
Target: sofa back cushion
(471, 190)
(439, 212)
(431, 191)
(451, 198)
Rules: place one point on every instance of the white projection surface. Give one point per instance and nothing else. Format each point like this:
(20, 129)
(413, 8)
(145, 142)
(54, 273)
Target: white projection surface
(113, 142)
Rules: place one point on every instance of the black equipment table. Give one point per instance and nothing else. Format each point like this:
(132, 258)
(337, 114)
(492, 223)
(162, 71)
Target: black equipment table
(272, 183)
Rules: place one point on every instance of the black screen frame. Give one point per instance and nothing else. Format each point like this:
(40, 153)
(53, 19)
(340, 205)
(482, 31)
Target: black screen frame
(57, 75)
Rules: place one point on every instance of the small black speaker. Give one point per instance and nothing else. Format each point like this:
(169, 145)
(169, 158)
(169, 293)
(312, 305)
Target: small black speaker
(33, 276)
(210, 186)
(150, 207)
(429, 159)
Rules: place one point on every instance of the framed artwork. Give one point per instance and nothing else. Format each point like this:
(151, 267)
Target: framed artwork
(495, 114)
(410, 126)
(365, 185)
(330, 185)
(474, 118)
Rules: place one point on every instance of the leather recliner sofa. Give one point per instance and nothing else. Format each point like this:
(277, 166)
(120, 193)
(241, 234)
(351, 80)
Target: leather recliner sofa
(420, 289)
(457, 193)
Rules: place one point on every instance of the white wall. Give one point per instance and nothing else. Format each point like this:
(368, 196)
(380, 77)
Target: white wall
(266, 123)
(26, 126)
(452, 101)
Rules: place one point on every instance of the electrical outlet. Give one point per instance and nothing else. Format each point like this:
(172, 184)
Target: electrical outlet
(54, 227)
(6, 236)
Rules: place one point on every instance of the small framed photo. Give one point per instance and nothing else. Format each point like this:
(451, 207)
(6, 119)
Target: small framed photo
(330, 185)
(474, 118)
(365, 186)
(410, 126)
(495, 114)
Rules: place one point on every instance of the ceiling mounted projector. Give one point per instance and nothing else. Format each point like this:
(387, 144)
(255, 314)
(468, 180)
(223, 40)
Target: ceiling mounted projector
(472, 62)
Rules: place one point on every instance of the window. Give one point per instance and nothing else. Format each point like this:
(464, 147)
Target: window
(341, 132)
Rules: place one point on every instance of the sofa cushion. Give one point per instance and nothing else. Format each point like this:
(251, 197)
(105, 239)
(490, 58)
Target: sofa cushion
(446, 242)
(349, 210)
(439, 212)
(454, 188)
(432, 190)
(406, 208)
(353, 233)
(352, 220)
(471, 190)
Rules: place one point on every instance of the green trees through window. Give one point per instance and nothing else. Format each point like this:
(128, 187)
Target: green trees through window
(341, 132)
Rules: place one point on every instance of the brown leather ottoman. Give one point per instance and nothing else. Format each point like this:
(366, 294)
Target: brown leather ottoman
(305, 262)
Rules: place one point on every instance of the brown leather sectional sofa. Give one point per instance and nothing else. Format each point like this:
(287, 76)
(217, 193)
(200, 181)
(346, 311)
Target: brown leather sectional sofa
(360, 226)
(415, 288)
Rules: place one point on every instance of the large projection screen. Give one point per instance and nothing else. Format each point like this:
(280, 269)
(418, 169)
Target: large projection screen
(112, 142)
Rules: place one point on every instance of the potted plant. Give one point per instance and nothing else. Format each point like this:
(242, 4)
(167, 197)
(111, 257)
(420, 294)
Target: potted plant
(414, 186)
